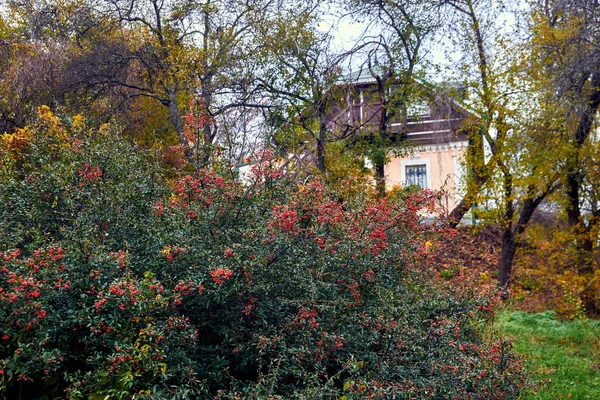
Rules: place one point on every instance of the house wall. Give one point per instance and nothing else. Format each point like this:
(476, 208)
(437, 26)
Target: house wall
(445, 169)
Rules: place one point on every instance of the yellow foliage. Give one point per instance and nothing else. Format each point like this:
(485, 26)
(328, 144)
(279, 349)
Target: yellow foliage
(17, 140)
(104, 129)
(549, 274)
(149, 124)
(78, 122)
(47, 127)
(53, 124)
(345, 171)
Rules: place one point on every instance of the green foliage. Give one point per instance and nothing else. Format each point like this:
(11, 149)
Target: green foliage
(114, 284)
(449, 272)
(563, 355)
(63, 182)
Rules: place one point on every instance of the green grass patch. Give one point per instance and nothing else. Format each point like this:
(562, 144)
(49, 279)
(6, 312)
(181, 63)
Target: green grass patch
(563, 358)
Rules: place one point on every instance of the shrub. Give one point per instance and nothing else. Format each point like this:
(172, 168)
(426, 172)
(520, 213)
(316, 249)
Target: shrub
(114, 286)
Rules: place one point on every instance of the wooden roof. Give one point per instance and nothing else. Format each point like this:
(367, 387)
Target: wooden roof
(441, 118)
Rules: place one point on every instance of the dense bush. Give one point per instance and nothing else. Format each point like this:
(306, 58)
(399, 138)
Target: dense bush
(115, 283)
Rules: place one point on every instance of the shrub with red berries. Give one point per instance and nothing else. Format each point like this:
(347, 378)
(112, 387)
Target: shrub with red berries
(118, 283)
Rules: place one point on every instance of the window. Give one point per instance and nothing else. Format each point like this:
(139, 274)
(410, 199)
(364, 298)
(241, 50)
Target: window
(416, 175)
(416, 171)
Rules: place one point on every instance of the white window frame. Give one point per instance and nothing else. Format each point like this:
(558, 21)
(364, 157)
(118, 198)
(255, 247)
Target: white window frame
(416, 161)
(362, 102)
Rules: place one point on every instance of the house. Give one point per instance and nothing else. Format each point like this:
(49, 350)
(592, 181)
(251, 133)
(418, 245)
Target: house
(426, 148)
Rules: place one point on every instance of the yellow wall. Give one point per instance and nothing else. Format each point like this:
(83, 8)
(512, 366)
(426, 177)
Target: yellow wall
(445, 169)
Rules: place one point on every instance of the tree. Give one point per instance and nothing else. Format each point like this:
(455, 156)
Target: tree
(168, 51)
(29, 74)
(515, 124)
(301, 72)
(187, 48)
(474, 43)
(41, 42)
(403, 27)
(566, 44)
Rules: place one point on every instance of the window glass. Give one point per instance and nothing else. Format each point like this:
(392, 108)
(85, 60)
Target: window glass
(416, 175)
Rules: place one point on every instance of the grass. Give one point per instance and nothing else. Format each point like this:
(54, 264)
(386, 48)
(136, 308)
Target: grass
(563, 358)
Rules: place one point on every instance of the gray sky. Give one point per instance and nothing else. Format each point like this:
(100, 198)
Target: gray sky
(437, 51)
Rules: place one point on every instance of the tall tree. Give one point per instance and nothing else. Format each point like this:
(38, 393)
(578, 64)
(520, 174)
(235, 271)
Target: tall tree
(402, 28)
(566, 44)
(31, 70)
(167, 50)
(185, 48)
(300, 72)
(516, 125)
(473, 20)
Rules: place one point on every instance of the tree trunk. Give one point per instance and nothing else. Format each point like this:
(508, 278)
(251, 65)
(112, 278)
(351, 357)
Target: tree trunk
(322, 138)
(511, 237)
(509, 245)
(178, 125)
(176, 119)
(575, 175)
(379, 160)
(478, 174)
(509, 248)
(466, 202)
(208, 129)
